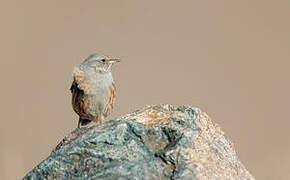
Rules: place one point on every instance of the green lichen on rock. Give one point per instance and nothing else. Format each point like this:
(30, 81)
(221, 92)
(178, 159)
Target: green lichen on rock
(156, 142)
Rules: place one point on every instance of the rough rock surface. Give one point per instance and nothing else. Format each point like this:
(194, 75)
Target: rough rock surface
(156, 142)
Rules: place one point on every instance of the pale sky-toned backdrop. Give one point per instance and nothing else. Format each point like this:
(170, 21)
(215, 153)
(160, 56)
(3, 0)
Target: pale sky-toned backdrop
(230, 58)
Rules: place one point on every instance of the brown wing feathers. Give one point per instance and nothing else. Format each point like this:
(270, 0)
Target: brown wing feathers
(110, 103)
(79, 101)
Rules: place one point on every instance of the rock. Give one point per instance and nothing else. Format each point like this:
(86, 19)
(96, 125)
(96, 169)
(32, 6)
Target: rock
(156, 142)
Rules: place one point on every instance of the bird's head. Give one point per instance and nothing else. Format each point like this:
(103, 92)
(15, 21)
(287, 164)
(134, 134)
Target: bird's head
(99, 63)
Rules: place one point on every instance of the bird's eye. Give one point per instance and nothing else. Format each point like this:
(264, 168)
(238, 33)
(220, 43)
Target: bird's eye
(103, 60)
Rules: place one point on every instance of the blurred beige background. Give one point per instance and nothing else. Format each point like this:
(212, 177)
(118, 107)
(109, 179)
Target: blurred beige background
(230, 58)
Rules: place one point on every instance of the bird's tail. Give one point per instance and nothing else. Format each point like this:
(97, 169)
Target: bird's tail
(83, 122)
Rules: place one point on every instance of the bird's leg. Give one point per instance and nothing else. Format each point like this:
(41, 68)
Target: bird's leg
(100, 120)
(79, 123)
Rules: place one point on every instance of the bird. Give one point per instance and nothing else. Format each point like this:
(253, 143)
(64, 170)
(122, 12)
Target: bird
(93, 89)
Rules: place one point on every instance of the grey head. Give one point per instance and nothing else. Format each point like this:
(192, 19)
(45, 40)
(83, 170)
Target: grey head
(99, 63)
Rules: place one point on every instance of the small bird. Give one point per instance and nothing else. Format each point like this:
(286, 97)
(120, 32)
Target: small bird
(93, 89)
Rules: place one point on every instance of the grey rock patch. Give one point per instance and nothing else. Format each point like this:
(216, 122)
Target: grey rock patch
(156, 142)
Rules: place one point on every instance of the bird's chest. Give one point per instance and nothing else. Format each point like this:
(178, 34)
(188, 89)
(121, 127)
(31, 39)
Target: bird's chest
(100, 82)
(101, 85)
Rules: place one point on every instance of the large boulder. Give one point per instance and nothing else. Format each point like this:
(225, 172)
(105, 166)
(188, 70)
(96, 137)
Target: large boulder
(156, 142)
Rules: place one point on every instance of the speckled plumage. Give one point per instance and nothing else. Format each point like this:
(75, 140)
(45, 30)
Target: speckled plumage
(93, 89)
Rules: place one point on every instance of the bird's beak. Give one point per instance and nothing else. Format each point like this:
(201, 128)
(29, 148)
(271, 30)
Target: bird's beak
(112, 60)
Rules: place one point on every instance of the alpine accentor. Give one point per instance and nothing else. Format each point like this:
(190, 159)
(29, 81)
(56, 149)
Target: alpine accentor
(93, 89)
